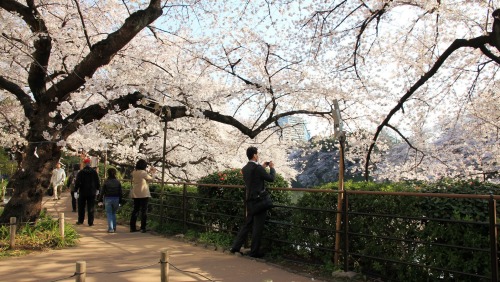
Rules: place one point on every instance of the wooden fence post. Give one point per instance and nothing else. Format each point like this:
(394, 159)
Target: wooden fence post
(81, 269)
(13, 228)
(164, 266)
(61, 224)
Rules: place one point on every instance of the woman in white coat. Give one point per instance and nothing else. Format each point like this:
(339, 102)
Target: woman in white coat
(140, 194)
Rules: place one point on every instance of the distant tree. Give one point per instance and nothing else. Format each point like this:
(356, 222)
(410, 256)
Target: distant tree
(317, 163)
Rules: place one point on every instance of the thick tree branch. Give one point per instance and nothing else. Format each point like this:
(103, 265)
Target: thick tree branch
(457, 44)
(42, 44)
(102, 52)
(96, 112)
(215, 116)
(23, 98)
(489, 54)
(30, 16)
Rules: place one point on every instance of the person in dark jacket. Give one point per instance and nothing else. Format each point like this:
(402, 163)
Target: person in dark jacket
(87, 187)
(71, 185)
(254, 175)
(112, 195)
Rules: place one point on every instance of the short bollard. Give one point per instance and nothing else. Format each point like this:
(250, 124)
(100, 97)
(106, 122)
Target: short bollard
(61, 224)
(164, 266)
(13, 228)
(81, 269)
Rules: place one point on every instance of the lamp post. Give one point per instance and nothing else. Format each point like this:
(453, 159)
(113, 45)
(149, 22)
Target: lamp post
(165, 112)
(105, 147)
(166, 116)
(340, 134)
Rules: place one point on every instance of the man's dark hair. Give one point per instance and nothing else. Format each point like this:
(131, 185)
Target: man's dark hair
(111, 173)
(141, 164)
(251, 151)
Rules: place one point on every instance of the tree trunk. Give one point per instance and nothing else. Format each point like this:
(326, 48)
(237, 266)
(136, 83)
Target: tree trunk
(30, 182)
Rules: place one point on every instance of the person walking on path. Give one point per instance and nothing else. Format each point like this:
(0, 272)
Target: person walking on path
(112, 196)
(71, 185)
(254, 176)
(140, 194)
(87, 187)
(57, 180)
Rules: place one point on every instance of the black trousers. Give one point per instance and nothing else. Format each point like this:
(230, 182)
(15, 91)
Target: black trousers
(140, 205)
(73, 200)
(257, 221)
(89, 203)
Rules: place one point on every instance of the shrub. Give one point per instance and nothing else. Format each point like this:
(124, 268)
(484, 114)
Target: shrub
(43, 234)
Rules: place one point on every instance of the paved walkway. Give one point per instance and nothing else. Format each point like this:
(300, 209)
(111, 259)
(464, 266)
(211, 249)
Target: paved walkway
(125, 256)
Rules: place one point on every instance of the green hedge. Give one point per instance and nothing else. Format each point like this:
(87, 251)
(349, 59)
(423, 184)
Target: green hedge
(374, 233)
(383, 230)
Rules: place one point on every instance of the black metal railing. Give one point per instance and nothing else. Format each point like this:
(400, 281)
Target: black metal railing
(192, 211)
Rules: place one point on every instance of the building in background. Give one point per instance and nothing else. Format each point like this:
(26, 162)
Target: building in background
(294, 129)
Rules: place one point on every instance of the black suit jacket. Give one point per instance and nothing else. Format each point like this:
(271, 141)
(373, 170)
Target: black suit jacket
(87, 182)
(254, 176)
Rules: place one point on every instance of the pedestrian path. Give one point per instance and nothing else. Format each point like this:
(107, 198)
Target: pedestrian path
(125, 256)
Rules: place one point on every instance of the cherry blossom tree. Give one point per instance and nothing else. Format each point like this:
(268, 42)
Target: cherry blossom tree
(72, 63)
(221, 74)
(411, 64)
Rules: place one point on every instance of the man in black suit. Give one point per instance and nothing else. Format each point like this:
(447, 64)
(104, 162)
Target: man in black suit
(87, 187)
(254, 176)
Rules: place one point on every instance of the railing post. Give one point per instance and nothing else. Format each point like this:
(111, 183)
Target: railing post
(164, 266)
(184, 208)
(346, 232)
(493, 238)
(81, 271)
(61, 224)
(13, 228)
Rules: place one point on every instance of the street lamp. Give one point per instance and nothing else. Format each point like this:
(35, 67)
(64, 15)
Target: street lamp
(166, 114)
(340, 134)
(105, 147)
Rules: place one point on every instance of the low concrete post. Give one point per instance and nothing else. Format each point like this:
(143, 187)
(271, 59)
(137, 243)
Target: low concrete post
(164, 266)
(13, 228)
(81, 271)
(61, 224)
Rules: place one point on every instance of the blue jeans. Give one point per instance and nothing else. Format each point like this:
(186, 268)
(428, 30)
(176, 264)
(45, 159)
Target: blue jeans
(111, 204)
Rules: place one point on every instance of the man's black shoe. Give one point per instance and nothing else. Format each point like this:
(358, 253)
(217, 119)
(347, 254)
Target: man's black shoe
(134, 230)
(79, 223)
(232, 251)
(143, 231)
(257, 255)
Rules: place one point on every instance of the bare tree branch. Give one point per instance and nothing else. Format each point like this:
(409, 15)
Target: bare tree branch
(83, 24)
